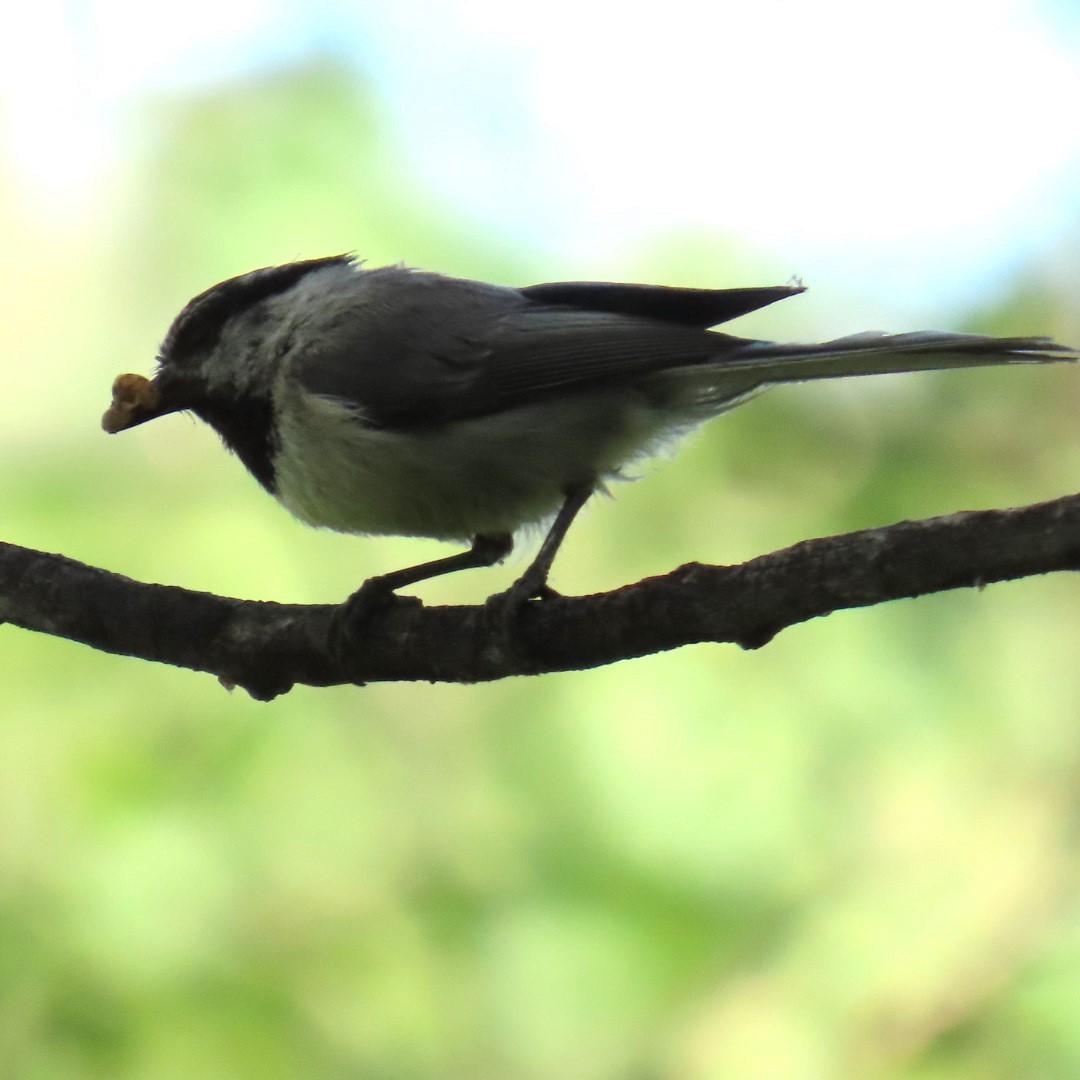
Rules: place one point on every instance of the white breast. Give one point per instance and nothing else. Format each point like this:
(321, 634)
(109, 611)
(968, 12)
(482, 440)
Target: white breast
(493, 474)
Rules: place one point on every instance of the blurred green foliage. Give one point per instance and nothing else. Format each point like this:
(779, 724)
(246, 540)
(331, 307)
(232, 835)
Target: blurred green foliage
(851, 854)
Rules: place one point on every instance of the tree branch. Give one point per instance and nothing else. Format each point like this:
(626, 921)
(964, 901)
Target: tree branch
(267, 647)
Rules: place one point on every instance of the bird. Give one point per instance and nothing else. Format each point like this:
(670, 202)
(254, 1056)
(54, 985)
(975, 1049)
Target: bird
(399, 401)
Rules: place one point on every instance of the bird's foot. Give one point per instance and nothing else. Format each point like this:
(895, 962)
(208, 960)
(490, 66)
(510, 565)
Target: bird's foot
(350, 623)
(501, 611)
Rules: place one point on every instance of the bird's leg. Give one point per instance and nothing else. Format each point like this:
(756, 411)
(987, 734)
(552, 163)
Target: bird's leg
(486, 550)
(533, 583)
(349, 620)
(347, 625)
(503, 607)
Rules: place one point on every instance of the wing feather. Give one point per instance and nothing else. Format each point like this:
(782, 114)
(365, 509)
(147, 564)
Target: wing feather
(419, 349)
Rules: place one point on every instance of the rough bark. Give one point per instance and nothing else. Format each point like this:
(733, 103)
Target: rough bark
(267, 647)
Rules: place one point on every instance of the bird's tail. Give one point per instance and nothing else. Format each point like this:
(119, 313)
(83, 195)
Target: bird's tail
(881, 354)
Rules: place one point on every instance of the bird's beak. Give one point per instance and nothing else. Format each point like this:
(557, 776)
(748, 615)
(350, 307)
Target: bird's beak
(135, 399)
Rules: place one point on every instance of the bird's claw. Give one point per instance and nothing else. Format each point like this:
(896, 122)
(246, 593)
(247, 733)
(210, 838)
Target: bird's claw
(501, 611)
(350, 622)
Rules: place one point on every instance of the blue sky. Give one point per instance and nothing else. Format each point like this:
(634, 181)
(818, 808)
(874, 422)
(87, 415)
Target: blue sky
(923, 148)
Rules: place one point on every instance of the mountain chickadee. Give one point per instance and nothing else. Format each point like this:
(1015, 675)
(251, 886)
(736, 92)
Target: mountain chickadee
(396, 401)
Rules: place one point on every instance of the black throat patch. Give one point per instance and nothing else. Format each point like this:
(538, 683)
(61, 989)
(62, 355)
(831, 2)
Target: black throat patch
(246, 426)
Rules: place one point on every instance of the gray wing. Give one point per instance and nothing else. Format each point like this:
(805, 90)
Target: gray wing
(699, 308)
(413, 349)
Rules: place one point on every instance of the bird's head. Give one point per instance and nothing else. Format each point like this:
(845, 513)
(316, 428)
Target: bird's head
(221, 352)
